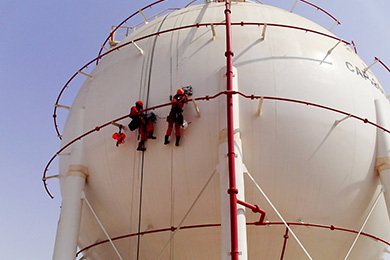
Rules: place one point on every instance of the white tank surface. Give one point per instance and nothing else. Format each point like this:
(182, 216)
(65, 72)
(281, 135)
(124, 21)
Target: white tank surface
(316, 165)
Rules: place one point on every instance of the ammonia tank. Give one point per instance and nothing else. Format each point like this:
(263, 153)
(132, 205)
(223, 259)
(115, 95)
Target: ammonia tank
(315, 164)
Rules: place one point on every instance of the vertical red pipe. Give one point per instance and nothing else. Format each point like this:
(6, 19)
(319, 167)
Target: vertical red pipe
(284, 244)
(230, 134)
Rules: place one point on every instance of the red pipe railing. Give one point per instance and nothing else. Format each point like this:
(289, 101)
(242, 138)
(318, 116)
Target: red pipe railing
(354, 46)
(127, 19)
(384, 65)
(268, 223)
(207, 97)
(147, 233)
(331, 227)
(171, 30)
(124, 21)
(322, 10)
(157, 2)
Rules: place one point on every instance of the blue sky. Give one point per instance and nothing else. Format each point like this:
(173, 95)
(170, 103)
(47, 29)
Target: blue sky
(43, 43)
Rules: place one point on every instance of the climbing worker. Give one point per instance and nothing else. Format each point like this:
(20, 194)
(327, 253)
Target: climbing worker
(144, 122)
(176, 116)
(135, 115)
(146, 129)
(119, 137)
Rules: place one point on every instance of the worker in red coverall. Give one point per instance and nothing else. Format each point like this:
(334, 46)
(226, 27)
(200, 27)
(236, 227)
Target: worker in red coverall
(176, 116)
(142, 121)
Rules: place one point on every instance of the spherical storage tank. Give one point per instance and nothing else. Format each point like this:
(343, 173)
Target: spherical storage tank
(315, 164)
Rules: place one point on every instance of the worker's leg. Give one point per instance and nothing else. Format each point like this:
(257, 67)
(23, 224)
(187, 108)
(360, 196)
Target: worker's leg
(170, 126)
(150, 130)
(141, 144)
(169, 130)
(177, 133)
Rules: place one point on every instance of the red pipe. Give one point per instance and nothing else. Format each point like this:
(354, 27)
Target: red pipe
(252, 97)
(383, 64)
(146, 233)
(354, 47)
(124, 21)
(159, 1)
(230, 135)
(255, 209)
(331, 227)
(322, 10)
(284, 244)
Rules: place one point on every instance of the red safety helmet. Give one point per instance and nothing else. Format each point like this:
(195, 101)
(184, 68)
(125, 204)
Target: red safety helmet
(139, 103)
(180, 91)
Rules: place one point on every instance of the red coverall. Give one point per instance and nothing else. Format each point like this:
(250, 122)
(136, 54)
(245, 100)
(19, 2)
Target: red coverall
(145, 127)
(175, 116)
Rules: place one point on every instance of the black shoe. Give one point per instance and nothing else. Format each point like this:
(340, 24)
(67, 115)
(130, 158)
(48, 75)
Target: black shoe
(177, 140)
(166, 141)
(150, 136)
(141, 146)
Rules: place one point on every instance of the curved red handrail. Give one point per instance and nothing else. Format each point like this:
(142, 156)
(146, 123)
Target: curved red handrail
(268, 223)
(127, 19)
(322, 10)
(175, 29)
(252, 97)
(97, 128)
(124, 21)
(383, 64)
(159, 1)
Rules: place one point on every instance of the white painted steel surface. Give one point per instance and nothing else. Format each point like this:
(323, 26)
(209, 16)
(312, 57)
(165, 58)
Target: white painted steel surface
(312, 169)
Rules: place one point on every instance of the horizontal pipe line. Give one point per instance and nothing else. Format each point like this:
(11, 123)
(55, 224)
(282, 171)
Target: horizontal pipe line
(206, 98)
(268, 223)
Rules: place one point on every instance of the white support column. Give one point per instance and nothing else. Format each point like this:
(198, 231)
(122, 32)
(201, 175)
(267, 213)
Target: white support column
(223, 170)
(383, 147)
(71, 188)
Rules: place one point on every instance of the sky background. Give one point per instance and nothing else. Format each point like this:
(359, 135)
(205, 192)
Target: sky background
(43, 43)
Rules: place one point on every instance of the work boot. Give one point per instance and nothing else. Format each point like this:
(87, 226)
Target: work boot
(141, 146)
(150, 136)
(177, 140)
(166, 140)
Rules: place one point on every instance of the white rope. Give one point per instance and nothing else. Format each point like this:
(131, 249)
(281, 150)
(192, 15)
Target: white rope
(280, 216)
(101, 225)
(185, 216)
(364, 224)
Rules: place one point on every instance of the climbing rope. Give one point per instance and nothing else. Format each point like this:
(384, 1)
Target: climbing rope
(140, 204)
(185, 216)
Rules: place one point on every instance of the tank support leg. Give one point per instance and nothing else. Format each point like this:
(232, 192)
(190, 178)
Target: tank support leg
(223, 169)
(383, 148)
(72, 185)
